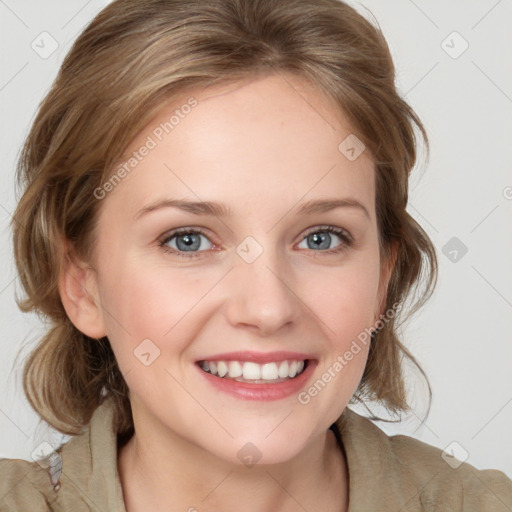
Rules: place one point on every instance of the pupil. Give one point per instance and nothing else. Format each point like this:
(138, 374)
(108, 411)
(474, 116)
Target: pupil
(187, 242)
(321, 241)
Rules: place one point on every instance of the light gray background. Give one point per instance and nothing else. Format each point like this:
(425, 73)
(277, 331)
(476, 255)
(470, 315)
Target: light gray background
(462, 337)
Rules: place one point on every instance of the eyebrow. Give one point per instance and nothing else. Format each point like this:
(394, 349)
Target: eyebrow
(221, 210)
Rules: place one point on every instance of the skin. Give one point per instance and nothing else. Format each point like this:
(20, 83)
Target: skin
(263, 147)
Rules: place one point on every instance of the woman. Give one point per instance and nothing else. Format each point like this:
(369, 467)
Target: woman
(214, 220)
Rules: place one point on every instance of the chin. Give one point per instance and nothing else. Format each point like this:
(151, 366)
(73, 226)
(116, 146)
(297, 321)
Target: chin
(250, 451)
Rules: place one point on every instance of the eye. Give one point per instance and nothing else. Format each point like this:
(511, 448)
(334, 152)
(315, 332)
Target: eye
(189, 242)
(322, 237)
(185, 242)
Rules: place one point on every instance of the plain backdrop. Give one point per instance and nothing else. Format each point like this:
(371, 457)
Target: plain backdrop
(451, 67)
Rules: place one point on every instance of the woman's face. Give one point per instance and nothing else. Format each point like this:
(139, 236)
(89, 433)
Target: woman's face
(263, 277)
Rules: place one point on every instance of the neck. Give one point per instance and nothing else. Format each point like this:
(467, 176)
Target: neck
(158, 468)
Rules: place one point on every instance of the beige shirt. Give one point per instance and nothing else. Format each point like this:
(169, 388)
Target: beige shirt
(386, 474)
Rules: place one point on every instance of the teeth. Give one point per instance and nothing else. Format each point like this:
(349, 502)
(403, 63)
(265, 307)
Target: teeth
(269, 371)
(235, 369)
(283, 370)
(249, 370)
(222, 368)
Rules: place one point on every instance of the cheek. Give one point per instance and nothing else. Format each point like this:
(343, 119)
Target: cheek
(344, 298)
(169, 306)
(142, 302)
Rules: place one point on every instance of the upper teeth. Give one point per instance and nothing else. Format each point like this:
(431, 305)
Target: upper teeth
(254, 371)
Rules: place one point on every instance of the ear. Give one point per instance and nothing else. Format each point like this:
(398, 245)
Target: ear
(386, 270)
(78, 290)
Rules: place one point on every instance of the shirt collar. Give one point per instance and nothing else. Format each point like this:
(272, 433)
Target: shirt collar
(375, 477)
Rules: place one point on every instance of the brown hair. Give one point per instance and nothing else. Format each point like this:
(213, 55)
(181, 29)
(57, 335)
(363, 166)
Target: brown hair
(134, 56)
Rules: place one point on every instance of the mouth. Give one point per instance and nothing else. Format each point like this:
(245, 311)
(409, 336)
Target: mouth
(272, 372)
(266, 380)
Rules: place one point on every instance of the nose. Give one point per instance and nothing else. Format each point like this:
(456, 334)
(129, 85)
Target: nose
(261, 295)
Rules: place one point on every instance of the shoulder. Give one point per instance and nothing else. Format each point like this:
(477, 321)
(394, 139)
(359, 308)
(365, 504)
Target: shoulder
(417, 475)
(84, 471)
(24, 486)
(442, 478)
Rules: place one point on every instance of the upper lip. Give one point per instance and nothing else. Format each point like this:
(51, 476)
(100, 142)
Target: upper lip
(258, 357)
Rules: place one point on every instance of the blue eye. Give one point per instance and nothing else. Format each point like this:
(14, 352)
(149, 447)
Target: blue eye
(322, 237)
(188, 242)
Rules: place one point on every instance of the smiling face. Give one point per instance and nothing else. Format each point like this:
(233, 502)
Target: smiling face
(265, 275)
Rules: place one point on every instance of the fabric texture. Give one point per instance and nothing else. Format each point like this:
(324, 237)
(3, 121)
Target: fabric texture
(386, 473)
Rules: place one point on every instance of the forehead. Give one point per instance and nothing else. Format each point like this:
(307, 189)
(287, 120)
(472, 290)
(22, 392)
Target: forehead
(275, 138)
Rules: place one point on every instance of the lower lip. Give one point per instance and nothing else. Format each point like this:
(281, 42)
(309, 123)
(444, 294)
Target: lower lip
(267, 392)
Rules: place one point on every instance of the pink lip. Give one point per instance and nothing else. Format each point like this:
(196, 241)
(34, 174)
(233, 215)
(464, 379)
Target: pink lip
(265, 392)
(258, 357)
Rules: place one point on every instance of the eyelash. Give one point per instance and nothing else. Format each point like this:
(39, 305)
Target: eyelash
(346, 241)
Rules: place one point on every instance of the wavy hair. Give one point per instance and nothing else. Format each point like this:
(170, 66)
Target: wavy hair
(133, 57)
